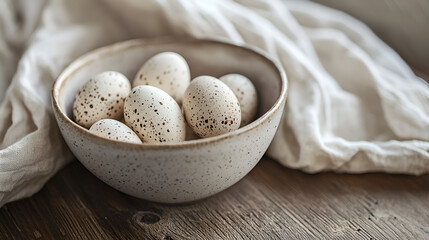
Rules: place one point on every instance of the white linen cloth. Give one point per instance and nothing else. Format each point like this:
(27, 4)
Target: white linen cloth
(353, 106)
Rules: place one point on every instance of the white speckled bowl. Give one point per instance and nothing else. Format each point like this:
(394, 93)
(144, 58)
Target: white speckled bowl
(179, 172)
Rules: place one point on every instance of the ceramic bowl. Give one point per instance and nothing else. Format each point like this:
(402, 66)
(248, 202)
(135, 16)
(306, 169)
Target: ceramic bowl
(177, 172)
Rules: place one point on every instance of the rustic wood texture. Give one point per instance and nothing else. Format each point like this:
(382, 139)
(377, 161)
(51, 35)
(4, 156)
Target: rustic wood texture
(272, 202)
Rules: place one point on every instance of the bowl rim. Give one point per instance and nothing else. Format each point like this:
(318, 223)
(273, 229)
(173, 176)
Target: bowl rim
(98, 53)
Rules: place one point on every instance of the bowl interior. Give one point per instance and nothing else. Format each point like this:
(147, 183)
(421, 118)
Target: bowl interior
(205, 57)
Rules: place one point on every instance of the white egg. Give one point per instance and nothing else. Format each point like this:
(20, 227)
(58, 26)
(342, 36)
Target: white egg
(101, 97)
(210, 107)
(154, 115)
(115, 130)
(167, 71)
(246, 94)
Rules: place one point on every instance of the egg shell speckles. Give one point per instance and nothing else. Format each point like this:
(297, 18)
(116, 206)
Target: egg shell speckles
(210, 107)
(115, 130)
(154, 115)
(167, 71)
(246, 94)
(101, 97)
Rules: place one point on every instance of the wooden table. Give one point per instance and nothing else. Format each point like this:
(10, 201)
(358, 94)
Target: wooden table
(272, 202)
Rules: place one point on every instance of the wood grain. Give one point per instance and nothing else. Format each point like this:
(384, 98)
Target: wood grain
(272, 202)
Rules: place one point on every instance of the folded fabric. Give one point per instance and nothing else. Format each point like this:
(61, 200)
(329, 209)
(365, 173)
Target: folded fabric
(353, 106)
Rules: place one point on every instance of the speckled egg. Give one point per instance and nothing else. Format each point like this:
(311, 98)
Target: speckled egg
(101, 97)
(246, 94)
(154, 115)
(210, 107)
(167, 71)
(115, 130)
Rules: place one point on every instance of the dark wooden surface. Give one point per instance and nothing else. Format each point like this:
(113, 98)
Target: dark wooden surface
(272, 202)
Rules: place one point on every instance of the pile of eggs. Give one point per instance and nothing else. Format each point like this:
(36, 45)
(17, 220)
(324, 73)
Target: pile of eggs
(163, 104)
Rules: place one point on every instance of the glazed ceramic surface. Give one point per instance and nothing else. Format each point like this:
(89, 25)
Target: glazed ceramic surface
(179, 172)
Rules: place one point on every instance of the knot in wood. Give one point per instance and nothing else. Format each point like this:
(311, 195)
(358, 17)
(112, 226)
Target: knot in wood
(149, 218)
